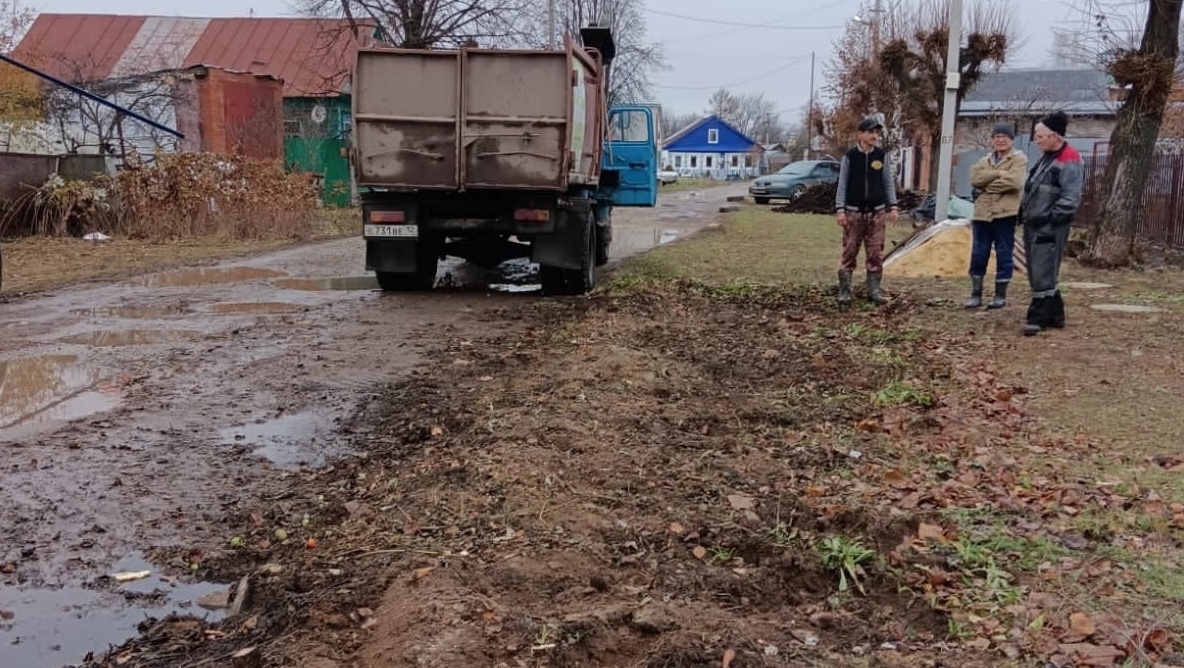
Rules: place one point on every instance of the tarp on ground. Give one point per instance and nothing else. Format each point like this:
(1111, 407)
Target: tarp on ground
(942, 250)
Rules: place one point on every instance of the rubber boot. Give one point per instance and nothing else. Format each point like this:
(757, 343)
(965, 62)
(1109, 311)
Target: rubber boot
(873, 288)
(844, 287)
(1056, 311)
(1033, 323)
(1000, 298)
(976, 293)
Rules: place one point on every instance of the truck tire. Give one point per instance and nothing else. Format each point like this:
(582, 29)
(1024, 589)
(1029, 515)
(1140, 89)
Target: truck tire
(560, 281)
(761, 200)
(603, 241)
(427, 252)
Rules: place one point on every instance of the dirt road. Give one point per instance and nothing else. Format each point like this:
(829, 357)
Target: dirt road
(134, 415)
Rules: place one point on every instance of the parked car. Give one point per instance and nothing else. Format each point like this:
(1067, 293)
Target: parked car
(667, 176)
(791, 181)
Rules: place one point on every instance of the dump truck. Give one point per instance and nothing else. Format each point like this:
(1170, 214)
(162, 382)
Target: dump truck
(494, 154)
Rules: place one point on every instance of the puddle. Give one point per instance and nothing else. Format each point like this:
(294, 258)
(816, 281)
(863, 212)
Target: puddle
(37, 391)
(128, 337)
(322, 284)
(1125, 308)
(134, 312)
(288, 441)
(628, 241)
(48, 628)
(204, 276)
(257, 307)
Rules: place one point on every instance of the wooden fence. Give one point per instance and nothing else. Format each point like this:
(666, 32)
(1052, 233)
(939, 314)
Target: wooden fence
(1162, 220)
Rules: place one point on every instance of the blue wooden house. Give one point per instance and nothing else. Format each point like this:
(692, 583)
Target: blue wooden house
(712, 148)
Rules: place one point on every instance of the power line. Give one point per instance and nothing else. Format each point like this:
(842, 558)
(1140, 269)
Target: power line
(758, 26)
(797, 60)
(771, 24)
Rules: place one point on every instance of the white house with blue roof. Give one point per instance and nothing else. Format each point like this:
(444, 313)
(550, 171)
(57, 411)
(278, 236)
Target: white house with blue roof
(712, 148)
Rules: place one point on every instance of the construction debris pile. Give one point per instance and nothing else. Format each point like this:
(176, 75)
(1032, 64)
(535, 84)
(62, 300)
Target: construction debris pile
(941, 250)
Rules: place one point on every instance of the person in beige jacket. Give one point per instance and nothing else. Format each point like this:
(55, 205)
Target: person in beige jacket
(999, 178)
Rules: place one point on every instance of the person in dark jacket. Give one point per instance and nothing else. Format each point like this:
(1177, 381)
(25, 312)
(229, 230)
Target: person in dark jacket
(865, 198)
(1052, 195)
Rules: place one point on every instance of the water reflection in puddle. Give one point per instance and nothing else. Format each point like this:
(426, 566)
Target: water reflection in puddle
(287, 441)
(257, 307)
(322, 284)
(128, 337)
(35, 391)
(630, 240)
(204, 276)
(47, 628)
(134, 312)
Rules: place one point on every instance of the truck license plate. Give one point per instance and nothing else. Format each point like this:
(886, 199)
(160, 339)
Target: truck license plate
(396, 231)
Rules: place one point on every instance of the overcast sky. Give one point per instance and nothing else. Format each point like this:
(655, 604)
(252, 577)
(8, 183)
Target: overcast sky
(751, 46)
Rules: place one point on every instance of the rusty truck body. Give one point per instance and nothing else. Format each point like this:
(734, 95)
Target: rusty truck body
(491, 154)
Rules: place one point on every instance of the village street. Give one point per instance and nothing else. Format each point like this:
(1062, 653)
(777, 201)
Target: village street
(135, 414)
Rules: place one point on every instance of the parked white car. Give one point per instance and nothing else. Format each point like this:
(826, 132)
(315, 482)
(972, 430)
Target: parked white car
(667, 176)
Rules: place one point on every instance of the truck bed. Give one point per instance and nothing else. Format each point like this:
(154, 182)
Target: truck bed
(476, 119)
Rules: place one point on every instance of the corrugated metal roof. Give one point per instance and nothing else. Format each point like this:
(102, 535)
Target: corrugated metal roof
(312, 56)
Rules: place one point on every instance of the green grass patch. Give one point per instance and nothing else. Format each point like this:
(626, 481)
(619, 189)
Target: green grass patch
(755, 246)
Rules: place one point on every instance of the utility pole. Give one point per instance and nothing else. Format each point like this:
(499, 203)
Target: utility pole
(945, 163)
(810, 112)
(551, 24)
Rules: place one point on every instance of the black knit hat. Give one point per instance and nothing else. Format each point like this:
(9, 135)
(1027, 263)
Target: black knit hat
(1005, 129)
(1057, 121)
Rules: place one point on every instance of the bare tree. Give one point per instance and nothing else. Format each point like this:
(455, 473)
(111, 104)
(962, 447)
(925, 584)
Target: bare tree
(750, 113)
(1147, 77)
(425, 24)
(904, 79)
(84, 125)
(637, 57)
(672, 123)
(15, 19)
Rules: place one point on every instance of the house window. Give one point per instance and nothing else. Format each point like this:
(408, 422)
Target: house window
(735, 161)
(713, 136)
(678, 161)
(748, 160)
(694, 161)
(709, 161)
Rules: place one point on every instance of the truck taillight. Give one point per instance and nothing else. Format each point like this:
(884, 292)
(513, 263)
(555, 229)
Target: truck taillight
(538, 215)
(387, 217)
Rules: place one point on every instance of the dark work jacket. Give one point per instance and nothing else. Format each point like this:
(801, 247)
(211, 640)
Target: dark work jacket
(865, 181)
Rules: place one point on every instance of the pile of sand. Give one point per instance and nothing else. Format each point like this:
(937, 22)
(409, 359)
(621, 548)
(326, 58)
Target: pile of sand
(941, 250)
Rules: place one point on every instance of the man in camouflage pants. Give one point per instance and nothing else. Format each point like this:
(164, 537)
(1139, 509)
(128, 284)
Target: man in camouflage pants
(865, 199)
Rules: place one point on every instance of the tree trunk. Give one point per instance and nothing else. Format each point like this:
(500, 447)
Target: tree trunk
(1149, 71)
(934, 160)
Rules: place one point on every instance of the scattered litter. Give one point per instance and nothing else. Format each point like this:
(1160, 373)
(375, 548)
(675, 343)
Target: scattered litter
(97, 236)
(131, 576)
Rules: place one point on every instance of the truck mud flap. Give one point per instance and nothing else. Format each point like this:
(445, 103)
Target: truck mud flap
(565, 248)
(391, 256)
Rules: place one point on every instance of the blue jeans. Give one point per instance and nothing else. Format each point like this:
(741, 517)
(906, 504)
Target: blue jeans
(999, 233)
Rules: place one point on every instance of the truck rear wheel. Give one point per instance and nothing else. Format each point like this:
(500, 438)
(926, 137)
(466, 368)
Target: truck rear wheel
(427, 255)
(560, 281)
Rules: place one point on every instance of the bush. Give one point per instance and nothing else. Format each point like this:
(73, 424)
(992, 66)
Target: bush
(175, 196)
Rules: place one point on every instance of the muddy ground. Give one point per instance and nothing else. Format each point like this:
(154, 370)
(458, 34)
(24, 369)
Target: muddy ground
(143, 421)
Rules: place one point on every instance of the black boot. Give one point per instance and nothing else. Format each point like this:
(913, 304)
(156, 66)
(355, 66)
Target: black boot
(976, 293)
(873, 288)
(1056, 311)
(844, 287)
(1035, 320)
(1000, 298)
